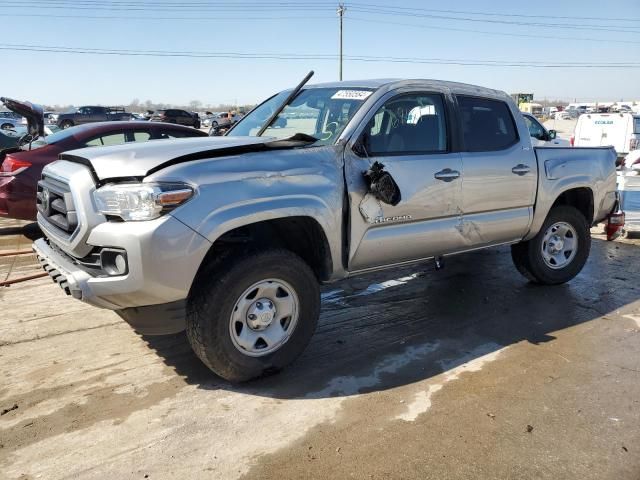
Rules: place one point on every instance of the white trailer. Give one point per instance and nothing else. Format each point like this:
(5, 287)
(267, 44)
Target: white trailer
(619, 130)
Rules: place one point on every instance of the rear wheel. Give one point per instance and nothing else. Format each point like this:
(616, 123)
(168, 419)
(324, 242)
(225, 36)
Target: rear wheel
(559, 250)
(253, 315)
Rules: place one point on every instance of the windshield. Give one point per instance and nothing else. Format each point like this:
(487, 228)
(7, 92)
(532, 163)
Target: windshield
(318, 112)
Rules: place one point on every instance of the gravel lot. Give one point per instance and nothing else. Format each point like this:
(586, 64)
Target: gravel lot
(469, 372)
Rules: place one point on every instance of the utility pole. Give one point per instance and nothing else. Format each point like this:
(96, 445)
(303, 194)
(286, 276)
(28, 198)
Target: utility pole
(341, 10)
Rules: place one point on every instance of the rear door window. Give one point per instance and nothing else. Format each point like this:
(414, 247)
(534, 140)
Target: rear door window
(172, 134)
(141, 136)
(106, 140)
(487, 125)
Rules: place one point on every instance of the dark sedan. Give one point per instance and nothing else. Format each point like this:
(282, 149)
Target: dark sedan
(179, 117)
(22, 167)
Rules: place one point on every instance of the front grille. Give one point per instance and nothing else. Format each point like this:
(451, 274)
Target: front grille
(55, 203)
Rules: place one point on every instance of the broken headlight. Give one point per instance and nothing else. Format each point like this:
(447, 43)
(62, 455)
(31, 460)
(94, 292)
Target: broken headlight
(140, 201)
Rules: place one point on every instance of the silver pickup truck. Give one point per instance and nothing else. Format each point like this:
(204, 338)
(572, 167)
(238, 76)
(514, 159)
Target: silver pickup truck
(230, 237)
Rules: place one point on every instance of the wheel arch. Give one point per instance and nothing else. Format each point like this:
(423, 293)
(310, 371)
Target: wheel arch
(581, 198)
(300, 234)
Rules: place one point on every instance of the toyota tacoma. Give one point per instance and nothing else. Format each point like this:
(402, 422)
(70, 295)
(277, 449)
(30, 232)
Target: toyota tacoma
(230, 237)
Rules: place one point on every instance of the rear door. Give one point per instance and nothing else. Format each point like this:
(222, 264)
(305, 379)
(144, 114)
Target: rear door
(500, 172)
(410, 134)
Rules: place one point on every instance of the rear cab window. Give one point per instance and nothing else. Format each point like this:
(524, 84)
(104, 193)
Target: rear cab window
(487, 124)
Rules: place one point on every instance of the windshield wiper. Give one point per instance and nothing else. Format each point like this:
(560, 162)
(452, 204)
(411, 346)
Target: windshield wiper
(290, 97)
(297, 140)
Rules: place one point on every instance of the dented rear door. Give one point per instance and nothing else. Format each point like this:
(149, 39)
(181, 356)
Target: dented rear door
(500, 172)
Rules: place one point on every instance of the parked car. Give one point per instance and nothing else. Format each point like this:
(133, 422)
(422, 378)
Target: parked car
(180, 117)
(629, 188)
(209, 118)
(50, 118)
(7, 123)
(540, 136)
(563, 115)
(10, 120)
(230, 236)
(9, 138)
(92, 114)
(619, 130)
(22, 166)
(225, 119)
(624, 108)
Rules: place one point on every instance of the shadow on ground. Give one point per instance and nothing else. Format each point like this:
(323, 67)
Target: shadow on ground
(402, 326)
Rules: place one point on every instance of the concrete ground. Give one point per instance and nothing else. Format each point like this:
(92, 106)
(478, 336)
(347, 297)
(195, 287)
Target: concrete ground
(470, 372)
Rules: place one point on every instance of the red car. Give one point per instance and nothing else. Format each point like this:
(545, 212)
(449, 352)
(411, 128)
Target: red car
(22, 167)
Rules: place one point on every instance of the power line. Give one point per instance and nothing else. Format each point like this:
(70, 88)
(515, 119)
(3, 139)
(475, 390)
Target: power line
(466, 12)
(313, 56)
(604, 28)
(485, 32)
(172, 18)
(314, 6)
(164, 7)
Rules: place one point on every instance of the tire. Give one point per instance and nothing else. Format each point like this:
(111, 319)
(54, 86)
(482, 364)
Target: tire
(219, 311)
(7, 126)
(214, 124)
(66, 124)
(529, 256)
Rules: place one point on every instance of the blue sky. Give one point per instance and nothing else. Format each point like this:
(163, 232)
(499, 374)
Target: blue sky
(61, 78)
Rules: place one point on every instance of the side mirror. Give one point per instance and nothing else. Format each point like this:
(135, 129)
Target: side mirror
(382, 185)
(552, 134)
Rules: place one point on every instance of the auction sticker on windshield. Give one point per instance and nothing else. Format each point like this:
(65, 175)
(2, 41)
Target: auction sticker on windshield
(351, 95)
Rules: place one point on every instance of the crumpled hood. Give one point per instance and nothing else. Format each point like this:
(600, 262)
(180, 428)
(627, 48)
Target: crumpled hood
(142, 159)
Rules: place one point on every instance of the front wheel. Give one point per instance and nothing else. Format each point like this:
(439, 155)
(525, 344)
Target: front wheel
(558, 252)
(254, 314)
(7, 126)
(66, 124)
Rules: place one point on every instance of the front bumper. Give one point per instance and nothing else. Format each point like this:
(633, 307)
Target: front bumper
(163, 258)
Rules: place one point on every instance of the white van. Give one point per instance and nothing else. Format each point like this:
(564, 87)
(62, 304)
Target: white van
(619, 130)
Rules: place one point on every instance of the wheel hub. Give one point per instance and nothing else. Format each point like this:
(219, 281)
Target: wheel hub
(556, 244)
(260, 314)
(559, 245)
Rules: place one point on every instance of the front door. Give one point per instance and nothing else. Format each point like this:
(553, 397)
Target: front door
(500, 172)
(409, 134)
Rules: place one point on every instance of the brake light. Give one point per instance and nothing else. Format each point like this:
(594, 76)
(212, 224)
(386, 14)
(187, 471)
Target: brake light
(13, 166)
(615, 225)
(572, 140)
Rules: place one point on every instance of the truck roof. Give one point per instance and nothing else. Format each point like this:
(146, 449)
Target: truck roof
(393, 83)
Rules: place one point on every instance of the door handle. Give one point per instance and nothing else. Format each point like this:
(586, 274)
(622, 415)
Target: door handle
(521, 169)
(447, 175)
